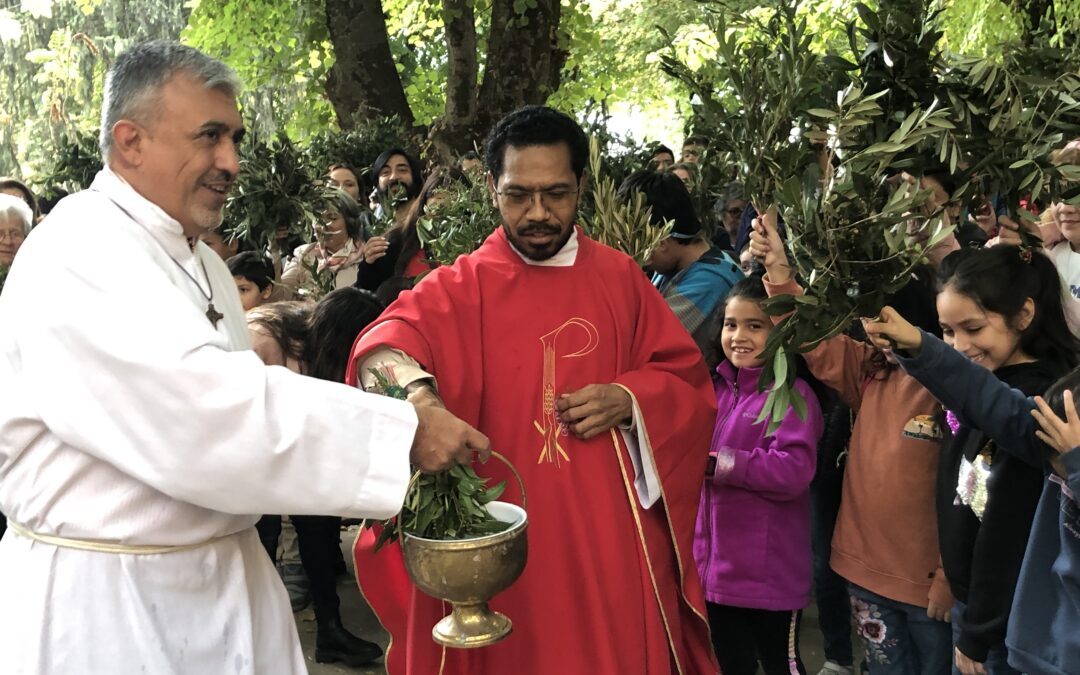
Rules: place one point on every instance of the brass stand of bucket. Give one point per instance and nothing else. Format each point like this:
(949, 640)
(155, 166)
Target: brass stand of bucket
(467, 573)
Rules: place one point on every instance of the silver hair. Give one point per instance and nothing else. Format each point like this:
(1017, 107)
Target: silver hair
(732, 191)
(12, 206)
(137, 76)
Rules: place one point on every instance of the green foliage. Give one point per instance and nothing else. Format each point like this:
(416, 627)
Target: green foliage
(1008, 118)
(76, 160)
(856, 228)
(275, 194)
(979, 27)
(416, 32)
(459, 225)
(624, 226)
(755, 94)
(446, 505)
(282, 52)
(53, 56)
(358, 147)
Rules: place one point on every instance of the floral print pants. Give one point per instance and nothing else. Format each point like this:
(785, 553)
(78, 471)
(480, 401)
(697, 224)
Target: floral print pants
(900, 639)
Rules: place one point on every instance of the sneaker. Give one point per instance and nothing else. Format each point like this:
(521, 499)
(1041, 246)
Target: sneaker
(834, 668)
(297, 584)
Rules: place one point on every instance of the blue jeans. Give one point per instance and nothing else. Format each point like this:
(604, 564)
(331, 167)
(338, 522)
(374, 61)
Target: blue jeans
(996, 659)
(900, 639)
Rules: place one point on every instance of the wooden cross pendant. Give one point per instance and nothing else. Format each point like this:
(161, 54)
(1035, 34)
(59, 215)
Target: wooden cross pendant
(213, 315)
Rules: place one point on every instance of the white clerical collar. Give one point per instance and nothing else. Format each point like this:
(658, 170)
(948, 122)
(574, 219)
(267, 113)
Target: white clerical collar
(142, 209)
(566, 257)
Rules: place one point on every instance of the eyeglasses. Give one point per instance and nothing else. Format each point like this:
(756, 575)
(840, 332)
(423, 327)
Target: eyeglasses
(555, 198)
(733, 212)
(13, 235)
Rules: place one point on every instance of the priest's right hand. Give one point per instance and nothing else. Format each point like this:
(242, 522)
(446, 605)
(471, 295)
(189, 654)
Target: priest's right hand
(442, 440)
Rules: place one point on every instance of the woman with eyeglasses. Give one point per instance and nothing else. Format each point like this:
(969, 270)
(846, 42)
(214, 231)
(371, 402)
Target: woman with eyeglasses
(16, 219)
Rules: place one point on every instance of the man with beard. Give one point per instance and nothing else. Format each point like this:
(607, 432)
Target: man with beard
(398, 178)
(562, 353)
(139, 432)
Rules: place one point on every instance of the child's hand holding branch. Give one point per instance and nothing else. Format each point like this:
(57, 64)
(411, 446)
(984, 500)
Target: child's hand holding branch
(890, 331)
(767, 246)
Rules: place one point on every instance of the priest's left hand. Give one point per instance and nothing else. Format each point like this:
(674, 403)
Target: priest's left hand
(594, 409)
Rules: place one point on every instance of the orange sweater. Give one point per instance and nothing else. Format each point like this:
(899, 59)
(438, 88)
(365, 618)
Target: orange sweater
(886, 536)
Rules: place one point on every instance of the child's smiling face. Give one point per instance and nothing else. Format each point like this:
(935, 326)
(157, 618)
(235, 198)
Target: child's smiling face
(746, 328)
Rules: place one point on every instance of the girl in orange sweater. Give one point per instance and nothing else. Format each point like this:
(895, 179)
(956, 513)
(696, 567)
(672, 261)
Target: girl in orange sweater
(885, 543)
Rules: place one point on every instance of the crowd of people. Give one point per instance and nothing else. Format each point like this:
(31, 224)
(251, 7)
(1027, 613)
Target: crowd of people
(173, 401)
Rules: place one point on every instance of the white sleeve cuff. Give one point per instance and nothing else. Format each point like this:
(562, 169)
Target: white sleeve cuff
(646, 480)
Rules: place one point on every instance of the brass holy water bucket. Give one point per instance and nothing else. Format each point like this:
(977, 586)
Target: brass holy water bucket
(467, 573)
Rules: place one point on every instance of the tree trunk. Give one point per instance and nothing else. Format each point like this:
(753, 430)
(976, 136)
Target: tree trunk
(524, 62)
(452, 134)
(364, 78)
(522, 66)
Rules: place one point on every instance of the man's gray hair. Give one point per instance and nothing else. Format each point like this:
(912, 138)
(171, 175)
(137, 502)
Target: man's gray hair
(135, 80)
(14, 207)
(731, 191)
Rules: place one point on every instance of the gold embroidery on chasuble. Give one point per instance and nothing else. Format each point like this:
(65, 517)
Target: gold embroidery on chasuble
(575, 338)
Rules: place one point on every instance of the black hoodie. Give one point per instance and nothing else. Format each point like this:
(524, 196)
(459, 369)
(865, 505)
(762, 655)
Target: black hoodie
(983, 541)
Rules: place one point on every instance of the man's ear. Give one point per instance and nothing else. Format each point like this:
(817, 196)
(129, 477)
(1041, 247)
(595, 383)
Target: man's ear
(491, 190)
(129, 139)
(583, 184)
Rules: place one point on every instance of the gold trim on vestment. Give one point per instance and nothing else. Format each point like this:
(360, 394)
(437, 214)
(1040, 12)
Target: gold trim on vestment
(648, 450)
(645, 548)
(360, 587)
(390, 644)
(109, 546)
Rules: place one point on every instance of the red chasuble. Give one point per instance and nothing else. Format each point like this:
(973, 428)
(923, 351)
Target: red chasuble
(610, 587)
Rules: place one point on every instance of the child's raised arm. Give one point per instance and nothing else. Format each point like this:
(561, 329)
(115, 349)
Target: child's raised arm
(840, 363)
(977, 396)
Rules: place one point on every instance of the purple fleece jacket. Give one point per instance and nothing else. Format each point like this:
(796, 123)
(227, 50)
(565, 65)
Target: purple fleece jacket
(752, 539)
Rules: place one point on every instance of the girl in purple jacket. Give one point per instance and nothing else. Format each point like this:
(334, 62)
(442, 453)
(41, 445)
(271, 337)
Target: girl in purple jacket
(752, 540)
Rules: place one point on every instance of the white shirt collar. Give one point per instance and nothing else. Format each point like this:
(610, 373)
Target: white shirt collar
(161, 226)
(566, 257)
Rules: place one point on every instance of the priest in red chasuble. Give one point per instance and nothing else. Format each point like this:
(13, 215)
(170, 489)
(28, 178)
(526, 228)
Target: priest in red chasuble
(559, 350)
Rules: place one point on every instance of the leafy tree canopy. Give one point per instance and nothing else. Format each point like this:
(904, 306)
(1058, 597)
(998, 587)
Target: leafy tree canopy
(53, 55)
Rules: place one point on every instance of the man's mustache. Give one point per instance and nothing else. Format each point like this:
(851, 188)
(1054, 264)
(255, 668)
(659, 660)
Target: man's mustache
(539, 229)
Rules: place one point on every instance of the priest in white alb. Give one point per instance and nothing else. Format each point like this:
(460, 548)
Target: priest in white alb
(140, 437)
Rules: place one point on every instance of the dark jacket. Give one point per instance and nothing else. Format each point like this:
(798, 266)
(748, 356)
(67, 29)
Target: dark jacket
(369, 276)
(986, 501)
(1042, 636)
